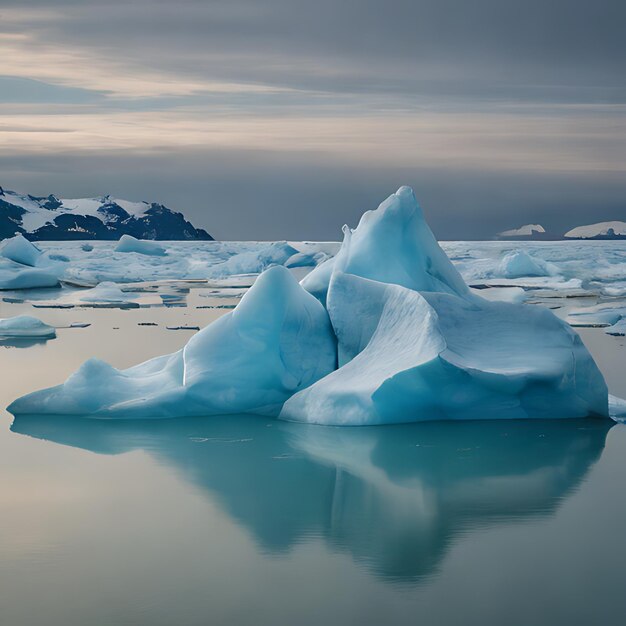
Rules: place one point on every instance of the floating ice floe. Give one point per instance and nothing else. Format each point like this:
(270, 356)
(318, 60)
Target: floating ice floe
(103, 295)
(610, 316)
(128, 243)
(106, 294)
(503, 294)
(25, 326)
(26, 278)
(393, 334)
(596, 316)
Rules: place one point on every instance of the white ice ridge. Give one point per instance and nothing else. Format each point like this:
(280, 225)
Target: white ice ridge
(393, 334)
(601, 229)
(523, 231)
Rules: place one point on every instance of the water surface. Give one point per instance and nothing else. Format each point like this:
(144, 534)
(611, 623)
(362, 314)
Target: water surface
(245, 520)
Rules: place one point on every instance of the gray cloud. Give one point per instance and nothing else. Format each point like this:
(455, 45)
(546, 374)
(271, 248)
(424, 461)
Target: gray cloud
(559, 50)
(391, 60)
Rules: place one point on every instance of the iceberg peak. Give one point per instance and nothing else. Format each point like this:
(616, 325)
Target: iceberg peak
(392, 244)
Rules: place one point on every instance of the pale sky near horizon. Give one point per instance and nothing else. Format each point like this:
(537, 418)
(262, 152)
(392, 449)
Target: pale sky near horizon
(285, 119)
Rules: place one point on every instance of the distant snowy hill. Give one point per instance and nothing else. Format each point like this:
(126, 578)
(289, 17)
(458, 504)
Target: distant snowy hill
(526, 232)
(54, 219)
(601, 230)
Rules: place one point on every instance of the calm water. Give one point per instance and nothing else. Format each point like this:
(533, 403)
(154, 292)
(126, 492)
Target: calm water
(253, 521)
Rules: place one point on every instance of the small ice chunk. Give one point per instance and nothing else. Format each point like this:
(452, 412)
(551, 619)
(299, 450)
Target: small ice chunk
(127, 243)
(596, 316)
(503, 294)
(618, 329)
(25, 326)
(617, 409)
(106, 293)
(519, 263)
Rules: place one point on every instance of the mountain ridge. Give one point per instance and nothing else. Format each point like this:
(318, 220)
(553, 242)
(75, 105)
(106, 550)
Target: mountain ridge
(49, 218)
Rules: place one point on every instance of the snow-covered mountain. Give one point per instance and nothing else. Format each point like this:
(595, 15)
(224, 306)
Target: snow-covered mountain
(601, 230)
(54, 219)
(523, 233)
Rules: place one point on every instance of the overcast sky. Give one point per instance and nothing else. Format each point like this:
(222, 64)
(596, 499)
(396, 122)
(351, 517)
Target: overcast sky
(285, 119)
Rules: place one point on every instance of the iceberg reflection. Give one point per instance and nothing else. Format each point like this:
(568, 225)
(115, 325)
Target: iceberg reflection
(392, 497)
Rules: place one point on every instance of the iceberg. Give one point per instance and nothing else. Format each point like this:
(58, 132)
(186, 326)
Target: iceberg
(277, 341)
(25, 326)
(128, 243)
(426, 348)
(20, 250)
(386, 332)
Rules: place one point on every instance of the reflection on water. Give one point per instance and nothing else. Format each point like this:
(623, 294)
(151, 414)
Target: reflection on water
(392, 497)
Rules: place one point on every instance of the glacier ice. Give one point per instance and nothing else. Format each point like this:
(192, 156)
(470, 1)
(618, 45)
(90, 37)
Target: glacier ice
(25, 326)
(128, 243)
(20, 250)
(386, 332)
(276, 342)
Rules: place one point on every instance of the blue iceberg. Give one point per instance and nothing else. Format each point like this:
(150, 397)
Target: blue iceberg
(385, 332)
